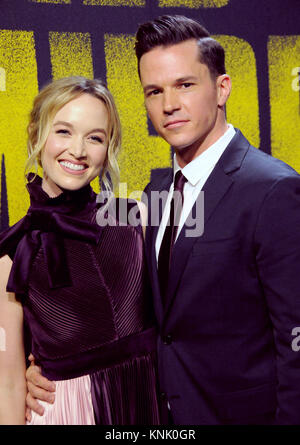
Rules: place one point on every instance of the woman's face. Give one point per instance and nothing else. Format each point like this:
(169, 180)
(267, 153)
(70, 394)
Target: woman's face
(76, 147)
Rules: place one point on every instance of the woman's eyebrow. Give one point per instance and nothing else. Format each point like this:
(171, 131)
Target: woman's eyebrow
(68, 124)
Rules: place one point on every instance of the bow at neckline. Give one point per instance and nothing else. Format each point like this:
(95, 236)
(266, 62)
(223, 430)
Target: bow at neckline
(47, 222)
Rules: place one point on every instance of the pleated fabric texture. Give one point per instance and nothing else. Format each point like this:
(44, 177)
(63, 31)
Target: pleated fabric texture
(72, 406)
(93, 332)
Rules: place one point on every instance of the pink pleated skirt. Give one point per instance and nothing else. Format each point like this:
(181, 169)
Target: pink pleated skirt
(72, 405)
(88, 392)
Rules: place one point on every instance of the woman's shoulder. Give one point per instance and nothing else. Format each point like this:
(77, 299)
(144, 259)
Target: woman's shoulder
(5, 265)
(10, 237)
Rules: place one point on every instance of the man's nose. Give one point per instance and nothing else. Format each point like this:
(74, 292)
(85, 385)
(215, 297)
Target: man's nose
(171, 102)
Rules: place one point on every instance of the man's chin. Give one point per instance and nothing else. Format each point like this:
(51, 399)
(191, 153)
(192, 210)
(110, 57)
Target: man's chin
(187, 147)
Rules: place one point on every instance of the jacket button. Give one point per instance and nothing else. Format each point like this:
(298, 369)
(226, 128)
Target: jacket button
(167, 340)
(163, 395)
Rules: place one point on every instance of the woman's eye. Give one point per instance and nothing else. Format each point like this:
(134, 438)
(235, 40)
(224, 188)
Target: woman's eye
(62, 131)
(97, 139)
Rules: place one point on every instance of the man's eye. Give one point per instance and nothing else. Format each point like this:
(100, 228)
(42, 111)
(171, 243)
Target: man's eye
(153, 93)
(186, 84)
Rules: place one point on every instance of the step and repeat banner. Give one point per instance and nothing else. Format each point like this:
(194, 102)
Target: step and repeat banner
(48, 39)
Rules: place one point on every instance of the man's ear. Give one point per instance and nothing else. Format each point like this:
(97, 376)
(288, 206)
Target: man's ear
(224, 89)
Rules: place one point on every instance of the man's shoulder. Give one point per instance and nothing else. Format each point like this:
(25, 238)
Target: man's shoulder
(258, 166)
(263, 166)
(158, 177)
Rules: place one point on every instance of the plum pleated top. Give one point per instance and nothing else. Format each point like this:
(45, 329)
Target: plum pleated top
(86, 301)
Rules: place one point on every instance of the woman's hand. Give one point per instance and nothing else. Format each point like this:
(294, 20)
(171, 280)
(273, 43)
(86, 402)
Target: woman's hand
(39, 387)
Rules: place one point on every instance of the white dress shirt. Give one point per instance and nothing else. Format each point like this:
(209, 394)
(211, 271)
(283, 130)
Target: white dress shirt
(196, 173)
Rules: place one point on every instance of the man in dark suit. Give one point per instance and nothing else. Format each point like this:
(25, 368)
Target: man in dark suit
(227, 301)
(226, 298)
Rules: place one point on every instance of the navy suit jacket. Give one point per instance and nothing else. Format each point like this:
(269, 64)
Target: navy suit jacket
(225, 333)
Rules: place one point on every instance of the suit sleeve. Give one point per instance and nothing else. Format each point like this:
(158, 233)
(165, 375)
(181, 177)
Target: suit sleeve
(145, 195)
(277, 240)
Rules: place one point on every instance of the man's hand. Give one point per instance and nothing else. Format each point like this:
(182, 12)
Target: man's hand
(39, 387)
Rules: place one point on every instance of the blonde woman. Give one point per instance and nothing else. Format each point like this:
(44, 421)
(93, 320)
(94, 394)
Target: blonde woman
(79, 287)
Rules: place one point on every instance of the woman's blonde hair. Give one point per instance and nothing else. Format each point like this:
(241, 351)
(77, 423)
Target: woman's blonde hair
(51, 99)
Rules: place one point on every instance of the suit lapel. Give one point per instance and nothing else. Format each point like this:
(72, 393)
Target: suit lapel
(155, 212)
(216, 186)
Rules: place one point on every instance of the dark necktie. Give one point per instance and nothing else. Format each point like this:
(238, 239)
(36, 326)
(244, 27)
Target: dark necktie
(165, 252)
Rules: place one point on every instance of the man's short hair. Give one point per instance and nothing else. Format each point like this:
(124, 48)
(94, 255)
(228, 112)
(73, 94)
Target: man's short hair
(172, 29)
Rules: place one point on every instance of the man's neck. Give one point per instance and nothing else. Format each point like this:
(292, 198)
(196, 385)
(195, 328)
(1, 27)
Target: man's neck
(186, 155)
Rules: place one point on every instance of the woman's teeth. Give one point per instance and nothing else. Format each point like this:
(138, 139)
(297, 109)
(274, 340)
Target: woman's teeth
(73, 166)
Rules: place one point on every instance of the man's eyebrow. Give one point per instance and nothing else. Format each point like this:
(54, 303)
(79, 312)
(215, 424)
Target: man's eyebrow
(151, 87)
(186, 79)
(178, 80)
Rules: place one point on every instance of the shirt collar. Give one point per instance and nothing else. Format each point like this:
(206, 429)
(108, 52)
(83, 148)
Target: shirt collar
(195, 169)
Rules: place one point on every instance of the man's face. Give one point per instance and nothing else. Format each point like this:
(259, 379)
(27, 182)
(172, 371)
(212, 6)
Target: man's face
(181, 98)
